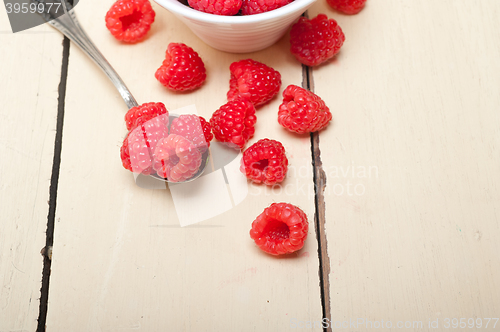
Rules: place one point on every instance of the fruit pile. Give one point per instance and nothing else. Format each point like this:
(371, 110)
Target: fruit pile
(170, 151)
(172, 148)
(236, 7)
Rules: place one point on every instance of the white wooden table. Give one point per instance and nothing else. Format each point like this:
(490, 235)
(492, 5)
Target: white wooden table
(405, 220)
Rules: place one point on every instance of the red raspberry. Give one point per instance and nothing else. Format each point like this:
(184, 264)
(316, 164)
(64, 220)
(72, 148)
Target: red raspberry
(130, 20)
(234, 122)
(315, 41)
(253, 81)
(135, 153)
(250, 7)
(217, 7)
(137, 148)
(302, 111)
(195, 128)
(281, 229)
(176, 158)
(347, 6)
(182, 69)
(136, 116)
(265, 162)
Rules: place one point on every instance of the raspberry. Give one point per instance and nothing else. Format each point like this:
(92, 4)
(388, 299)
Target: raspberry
(265, 162)
(253, 81)
(176, 158)
(217, 7)
(234, 122)
(250, 7)
(347, 6)
(315, 41)
(195, 128)
(281, 229)
(135, 153)
(302, 111)
(130, 20)
(136, 116)
(182, 69)
(137, 148)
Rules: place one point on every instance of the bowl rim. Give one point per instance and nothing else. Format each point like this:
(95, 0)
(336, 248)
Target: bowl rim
(177, 7)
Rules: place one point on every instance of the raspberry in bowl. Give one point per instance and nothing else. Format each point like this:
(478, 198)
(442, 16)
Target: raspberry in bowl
(240, 33)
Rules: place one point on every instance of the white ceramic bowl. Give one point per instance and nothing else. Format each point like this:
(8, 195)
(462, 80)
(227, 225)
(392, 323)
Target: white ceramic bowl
(238, 34)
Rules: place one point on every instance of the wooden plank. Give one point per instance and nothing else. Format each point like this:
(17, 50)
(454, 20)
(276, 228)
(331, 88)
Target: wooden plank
(121, 261)
(30, 71)
(412, 164)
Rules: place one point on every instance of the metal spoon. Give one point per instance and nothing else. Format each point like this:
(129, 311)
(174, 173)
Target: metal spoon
(69, 26)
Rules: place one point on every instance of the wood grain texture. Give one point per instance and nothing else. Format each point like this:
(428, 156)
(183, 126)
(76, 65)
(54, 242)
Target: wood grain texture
(30, 72)
(412, 162)
(120, 261)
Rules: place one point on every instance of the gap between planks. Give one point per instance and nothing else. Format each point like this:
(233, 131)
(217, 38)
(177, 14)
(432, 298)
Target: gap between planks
(319, 179)
(54, 180)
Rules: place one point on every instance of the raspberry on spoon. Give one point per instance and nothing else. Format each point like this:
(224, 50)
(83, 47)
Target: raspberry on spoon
(195, 128)
(176, 158)
(139, 144)
(136, 116)
(135, 153)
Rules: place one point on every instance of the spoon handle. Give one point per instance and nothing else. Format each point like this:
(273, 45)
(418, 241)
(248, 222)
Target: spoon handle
(68, 25)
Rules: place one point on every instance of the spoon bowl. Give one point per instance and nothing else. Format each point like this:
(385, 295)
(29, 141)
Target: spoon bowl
(205, 158)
